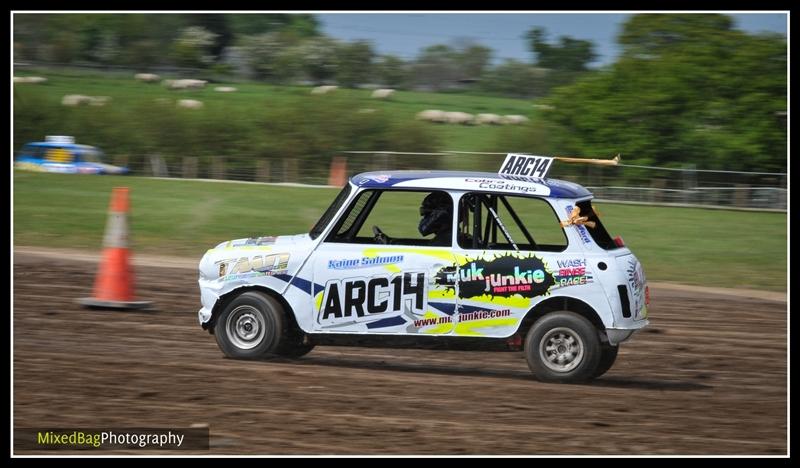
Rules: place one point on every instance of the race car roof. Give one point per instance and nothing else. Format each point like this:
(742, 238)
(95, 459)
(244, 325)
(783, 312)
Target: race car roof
(56, 144)
(461, 180)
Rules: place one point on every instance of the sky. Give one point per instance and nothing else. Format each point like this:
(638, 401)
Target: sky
(405, 34)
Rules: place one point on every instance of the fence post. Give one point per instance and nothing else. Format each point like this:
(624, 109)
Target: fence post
(740, 195)
(338, 173)
(782, 194)
(190, 167)
(385, 162)
(290, 170)
(689, 182)
(218, 167)
(262, 170)
(374, 164)
(121, 160)
(158, 166)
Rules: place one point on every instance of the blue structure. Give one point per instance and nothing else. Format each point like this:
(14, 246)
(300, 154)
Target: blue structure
(62, 154)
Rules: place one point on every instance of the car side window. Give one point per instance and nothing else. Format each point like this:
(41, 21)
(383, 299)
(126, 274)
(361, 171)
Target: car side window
(397, 217)
(33, 151)
(502, 222)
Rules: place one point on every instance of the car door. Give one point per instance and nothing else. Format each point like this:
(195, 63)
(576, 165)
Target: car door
(59, 159)
(375, 287)
(503, 270)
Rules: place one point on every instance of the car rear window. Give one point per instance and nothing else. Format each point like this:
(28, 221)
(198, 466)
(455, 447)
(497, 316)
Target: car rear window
(599, 233)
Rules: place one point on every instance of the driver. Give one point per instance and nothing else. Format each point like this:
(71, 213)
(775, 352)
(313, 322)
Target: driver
(437, 218)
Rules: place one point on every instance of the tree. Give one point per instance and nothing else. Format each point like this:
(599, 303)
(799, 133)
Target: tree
(647, 36)
(515, 78)
(193, 47)
(391, 71)
(107, 50)
(302, 26)
(436, 67)
(261, 52)
(687, 89)
(473, 60)
(318, 58)
(570, 54)
(354, 63)
(217, 24)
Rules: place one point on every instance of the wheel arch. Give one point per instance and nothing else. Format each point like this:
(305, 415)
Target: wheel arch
(223, 301)
(559, 303)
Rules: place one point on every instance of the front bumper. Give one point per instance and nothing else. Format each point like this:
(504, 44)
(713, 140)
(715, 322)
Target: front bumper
(204, 315)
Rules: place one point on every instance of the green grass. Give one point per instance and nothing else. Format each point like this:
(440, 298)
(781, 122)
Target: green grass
(250, 97)
(720, 248)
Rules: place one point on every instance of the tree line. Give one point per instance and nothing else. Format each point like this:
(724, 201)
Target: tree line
(287, 49)
(686, 89)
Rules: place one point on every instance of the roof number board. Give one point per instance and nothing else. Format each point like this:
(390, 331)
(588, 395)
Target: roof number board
(525, 166)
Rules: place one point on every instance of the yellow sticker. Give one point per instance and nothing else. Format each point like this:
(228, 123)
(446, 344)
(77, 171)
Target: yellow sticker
(59, 155)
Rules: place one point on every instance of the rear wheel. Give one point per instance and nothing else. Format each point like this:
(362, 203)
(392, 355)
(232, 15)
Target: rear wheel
(250, 327)
(608, 354)
(563, 347)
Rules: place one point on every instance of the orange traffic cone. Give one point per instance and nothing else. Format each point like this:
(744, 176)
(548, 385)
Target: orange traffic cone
(113, 287)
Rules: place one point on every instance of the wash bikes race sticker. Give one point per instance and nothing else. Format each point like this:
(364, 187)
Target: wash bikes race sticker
(525, 166)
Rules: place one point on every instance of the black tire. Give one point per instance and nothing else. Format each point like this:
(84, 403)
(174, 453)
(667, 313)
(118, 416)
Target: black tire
(250, 327)
(563, 347)
(608, 354)
(294, 350)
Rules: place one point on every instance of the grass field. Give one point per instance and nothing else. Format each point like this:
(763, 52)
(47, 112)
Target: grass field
(125, 92)
(173, 217)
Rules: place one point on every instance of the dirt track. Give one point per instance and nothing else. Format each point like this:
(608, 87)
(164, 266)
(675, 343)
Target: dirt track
(707, 377)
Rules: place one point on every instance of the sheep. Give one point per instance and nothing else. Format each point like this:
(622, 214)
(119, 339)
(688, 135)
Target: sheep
(184, 84)
(545, 107)
(488, 119)
(432, 115)
(73, 100)
(514, 119)
(195, 84)
(146, 77)
(98, 100)
(29, 79)
(324, 89)
(383, 93)
(190, 104)
(459, 118)
(225, 89)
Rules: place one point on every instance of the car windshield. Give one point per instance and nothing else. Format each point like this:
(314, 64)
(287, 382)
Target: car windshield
(330, 212)
(92, 155)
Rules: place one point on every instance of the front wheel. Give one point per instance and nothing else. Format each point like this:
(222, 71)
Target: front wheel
(294, 350)
(563, 347)
(250, 327)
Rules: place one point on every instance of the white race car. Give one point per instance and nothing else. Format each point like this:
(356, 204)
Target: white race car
(467, 260)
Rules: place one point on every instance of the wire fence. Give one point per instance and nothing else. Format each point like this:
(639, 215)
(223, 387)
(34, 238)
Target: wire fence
(622, 183)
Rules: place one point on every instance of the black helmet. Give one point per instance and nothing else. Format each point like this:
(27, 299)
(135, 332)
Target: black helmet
(436, 211)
